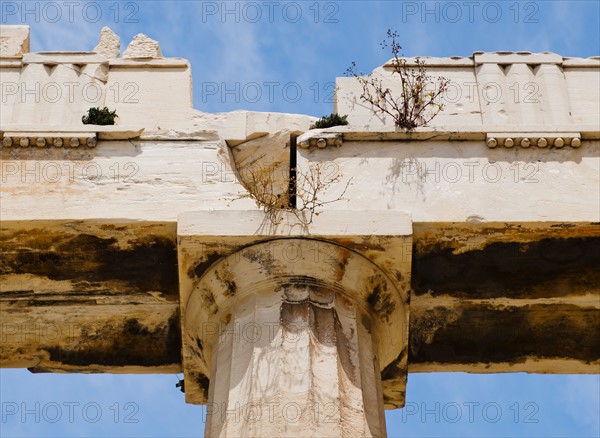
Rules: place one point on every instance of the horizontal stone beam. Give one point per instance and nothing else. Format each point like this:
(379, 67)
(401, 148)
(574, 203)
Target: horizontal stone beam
(505, 336)
(505, 297)
(52, 334)
(89, 296)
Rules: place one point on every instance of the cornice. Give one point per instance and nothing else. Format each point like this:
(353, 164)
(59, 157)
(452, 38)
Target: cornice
(493, 136)
(64, 136)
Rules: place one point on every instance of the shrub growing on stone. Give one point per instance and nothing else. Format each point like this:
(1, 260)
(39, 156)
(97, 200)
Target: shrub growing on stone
(97, 116)
(334, 119)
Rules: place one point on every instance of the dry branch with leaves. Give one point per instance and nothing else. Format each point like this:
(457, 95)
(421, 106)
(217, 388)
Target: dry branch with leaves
(303, 197)
(420, 99)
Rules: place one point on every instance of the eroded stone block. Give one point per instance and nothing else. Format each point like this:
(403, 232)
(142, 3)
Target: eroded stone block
(109, 45)
(143, 46)
(14, 41)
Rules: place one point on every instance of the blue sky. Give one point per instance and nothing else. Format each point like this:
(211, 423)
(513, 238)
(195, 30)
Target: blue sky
(284, 56)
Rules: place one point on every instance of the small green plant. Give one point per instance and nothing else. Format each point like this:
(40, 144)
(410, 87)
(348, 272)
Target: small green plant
(418, 103)
(334, 119)
(97, 116)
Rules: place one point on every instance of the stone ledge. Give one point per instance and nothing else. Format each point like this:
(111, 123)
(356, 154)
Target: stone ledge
(539, 139)
(6, 62)
(23, 137)
(593, 61)
(322, 141)
(479, 58)
(186, 135)
(53, 58)
(335, 136)
(43, 140)
(149, 62)
(533, 365)
(516, 58)
(218, 223)
(452, 61)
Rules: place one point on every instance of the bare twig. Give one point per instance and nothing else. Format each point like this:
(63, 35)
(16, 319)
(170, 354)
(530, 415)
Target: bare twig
(309, 185)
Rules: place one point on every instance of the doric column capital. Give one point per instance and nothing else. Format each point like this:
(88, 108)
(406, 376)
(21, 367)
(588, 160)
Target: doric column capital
(322, 270)
(266, 316)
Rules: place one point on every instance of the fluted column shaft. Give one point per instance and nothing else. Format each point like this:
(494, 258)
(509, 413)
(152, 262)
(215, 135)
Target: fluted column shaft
(294, 362)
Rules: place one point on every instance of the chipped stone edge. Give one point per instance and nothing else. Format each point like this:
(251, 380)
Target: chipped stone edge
(149, 62)
(174, 135)
(55, 58)
(93, 58)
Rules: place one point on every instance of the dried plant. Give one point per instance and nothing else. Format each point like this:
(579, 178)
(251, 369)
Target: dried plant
(266, 190)
(418, 103)
(311, 184)
(302, 198)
